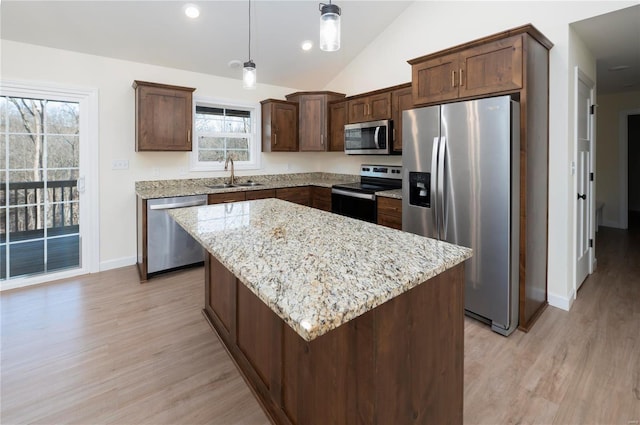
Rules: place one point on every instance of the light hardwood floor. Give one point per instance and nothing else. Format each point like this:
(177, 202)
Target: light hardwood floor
(105, 349)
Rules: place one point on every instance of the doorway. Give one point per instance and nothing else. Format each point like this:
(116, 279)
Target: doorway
(584, 202)
(633, 148)
(45, 153)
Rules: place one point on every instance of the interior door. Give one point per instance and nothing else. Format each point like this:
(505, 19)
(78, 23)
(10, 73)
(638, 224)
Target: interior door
(583, 185)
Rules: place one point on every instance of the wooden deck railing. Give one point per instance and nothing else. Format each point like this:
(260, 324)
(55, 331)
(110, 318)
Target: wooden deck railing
(27, 219)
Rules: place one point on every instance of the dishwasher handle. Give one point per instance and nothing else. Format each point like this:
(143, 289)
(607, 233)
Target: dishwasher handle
(177, 205)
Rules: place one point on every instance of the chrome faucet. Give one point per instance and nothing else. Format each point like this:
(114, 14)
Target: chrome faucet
(232, 178)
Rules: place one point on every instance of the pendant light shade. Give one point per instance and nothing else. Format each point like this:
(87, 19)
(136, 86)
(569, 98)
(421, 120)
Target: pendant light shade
(249, 69)
(329, 27)
(249, 75)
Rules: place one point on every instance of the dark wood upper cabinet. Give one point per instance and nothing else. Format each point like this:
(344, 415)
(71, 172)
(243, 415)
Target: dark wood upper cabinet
(434, 80)
(164, 117)
(401, 100)
(313, 118)
(370, 107)
(337, 120)
(279, 126)
(488, 66)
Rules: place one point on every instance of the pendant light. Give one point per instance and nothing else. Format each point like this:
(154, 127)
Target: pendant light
(329, 27)
(249, 69)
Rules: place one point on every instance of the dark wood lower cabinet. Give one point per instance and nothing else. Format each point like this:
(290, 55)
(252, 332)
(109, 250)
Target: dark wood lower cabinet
(389, 212)
(297, 195)
(400, 363)
(321, 198)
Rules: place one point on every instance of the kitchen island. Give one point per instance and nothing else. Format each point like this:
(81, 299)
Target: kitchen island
(331, 319)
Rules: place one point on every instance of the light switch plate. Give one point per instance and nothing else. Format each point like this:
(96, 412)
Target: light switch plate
(120, 164)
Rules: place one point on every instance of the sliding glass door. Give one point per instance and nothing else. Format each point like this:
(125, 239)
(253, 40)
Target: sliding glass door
(39, 196)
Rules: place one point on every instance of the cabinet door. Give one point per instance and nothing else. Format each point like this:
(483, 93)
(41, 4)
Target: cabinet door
(379, 106)
(220, 293)
(321, 198)
(435, 80)
(491, 68)
(312, 123)
(337, 120)
(401, 100)
(285, 128)
(357, 110)
(297, 195)
(163, 117)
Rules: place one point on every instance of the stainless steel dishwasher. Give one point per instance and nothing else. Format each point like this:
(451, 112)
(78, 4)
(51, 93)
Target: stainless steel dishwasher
(169, 246)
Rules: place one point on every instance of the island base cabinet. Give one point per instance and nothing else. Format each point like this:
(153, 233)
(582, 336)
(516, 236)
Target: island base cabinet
(400, 363)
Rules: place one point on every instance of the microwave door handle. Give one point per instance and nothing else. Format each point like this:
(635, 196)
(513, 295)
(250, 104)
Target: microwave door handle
(375, 137)
(434, 186)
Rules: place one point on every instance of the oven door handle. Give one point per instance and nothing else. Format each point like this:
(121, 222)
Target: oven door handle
(368, 196)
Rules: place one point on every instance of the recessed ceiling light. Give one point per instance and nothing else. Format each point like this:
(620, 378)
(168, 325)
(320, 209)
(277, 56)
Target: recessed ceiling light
(235, 63)
(191, 10)
(619, 67)
(307, 45)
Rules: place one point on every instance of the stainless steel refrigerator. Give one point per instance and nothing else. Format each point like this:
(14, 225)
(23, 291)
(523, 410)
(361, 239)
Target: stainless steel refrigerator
(460, 184)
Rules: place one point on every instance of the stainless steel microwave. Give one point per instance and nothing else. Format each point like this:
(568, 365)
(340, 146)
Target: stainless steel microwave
(368, 138)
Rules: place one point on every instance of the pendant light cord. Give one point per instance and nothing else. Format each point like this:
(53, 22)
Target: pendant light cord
(249, 30)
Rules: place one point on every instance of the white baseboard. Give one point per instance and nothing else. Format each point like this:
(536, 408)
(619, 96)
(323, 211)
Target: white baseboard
(117, 263)
(561, 302)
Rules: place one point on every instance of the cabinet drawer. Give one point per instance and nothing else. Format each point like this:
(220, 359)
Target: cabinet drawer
(390, 212)
(260, 194)
(390, 206)
(221, 198)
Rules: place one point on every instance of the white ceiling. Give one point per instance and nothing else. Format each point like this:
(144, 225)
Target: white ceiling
(158, 32)
(614, 40)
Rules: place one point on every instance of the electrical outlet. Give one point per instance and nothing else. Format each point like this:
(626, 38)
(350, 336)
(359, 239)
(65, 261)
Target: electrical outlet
(120, 164)
(182, 171)
(155, 171)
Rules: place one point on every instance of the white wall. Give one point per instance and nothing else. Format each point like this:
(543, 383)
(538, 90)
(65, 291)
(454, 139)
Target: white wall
(113, 78)
(608, 163)
(426, 27)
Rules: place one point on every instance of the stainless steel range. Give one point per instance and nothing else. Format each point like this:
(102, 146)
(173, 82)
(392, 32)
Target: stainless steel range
(358, 200)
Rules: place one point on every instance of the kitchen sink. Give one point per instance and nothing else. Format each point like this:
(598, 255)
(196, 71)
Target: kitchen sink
(221, 186)
(249, 184)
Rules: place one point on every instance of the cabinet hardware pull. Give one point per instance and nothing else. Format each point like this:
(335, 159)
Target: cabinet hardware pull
(394, 134)
(453, 78)
(461, 78)
(322, 139)
(189, 136)
(275, 138)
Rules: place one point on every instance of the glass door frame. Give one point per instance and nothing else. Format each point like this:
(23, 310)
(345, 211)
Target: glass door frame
(88, 173)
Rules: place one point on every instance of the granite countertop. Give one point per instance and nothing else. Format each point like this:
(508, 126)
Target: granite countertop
(394, 193)
(314, 269)
(186, 187)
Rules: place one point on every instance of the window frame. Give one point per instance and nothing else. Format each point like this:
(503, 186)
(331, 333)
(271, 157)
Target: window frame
(255, 145)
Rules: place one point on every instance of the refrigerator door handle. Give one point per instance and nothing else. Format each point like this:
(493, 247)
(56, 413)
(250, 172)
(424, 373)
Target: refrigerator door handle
(442, 229)
(434, 185)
